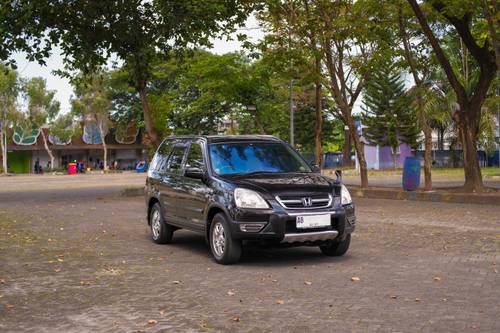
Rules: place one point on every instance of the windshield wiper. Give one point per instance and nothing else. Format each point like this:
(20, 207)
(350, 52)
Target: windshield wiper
(252, 173)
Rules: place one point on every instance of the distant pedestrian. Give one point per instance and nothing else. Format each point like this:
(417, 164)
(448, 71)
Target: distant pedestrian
(37, 166)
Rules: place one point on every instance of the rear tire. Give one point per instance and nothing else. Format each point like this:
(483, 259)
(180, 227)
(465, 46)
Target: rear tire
(161, 232)
(336, 249)
(225, 249)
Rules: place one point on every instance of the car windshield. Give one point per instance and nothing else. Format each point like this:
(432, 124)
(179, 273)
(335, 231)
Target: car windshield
(255, 157)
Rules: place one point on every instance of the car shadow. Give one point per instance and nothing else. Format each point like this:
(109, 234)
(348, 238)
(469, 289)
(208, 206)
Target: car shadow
(253, 256)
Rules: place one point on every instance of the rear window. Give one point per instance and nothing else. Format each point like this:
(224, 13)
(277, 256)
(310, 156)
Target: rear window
(160, 159)
(174, 163)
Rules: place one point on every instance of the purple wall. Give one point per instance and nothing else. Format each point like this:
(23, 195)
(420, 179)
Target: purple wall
(385, 156)
(371, 157)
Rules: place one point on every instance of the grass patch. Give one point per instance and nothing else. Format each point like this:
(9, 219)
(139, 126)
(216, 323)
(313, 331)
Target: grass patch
(439, 172)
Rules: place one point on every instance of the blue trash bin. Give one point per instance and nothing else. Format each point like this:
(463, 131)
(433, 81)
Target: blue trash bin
(411, 174)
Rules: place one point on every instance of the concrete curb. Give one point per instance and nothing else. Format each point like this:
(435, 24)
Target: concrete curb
(434, 196)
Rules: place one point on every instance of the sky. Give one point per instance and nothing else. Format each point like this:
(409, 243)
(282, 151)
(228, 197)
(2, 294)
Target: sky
(63, 88)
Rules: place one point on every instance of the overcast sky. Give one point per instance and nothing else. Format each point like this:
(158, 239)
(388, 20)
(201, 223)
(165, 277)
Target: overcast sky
(64, 90)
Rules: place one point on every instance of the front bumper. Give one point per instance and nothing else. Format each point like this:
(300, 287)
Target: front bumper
(278, 225)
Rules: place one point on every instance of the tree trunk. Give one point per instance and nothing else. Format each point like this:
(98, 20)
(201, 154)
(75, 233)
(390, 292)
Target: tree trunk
(394, 159)
(346, 151)
(468, 135)
(318, 125)
(148, 120)
(258, 123)
(104, 147)
(49, 151)
(3, 144)
(360, 150)
(427, 143)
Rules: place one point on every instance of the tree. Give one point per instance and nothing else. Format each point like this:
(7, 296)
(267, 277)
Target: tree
(388, 115)
(294, 28)
(90, 32)
(352, 43)
(42, 108)
(8, 94)
(465, 20)
(92, 103)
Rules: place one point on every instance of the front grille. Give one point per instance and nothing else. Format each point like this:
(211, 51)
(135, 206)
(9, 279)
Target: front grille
(305, 202)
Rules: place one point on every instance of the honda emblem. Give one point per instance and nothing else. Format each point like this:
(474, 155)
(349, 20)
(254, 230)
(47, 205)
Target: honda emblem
(307, 202)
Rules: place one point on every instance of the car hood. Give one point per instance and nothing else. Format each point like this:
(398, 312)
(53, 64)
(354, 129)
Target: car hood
(286, 183)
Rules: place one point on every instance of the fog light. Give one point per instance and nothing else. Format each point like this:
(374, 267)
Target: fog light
(251, 227)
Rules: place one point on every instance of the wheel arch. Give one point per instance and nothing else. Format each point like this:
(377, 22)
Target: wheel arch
(151, 203)
(212, 211)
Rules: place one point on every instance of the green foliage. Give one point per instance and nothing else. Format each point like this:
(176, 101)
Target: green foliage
(125, 101)
(92, 99)
(42, 107)
(389, 117)
(63, 127)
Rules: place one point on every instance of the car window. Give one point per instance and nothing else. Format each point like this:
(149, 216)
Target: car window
(161, 156)
(195, 157)
(174, 163)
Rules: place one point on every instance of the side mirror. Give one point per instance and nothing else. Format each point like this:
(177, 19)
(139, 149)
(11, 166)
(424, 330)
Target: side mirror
(315, 168)
(195, 173)
(338, 174)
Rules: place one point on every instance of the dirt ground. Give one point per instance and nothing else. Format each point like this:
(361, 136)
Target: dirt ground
(76, 257)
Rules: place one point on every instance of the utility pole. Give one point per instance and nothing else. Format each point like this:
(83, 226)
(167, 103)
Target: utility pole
(292, 134)
(292, 141)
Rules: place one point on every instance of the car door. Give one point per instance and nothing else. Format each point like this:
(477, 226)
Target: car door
(194, 193)
(170, 184)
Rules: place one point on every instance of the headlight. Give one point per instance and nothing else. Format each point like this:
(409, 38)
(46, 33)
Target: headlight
(245, 198)
(345, 196)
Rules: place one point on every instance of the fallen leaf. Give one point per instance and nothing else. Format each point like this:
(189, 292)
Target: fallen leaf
(152, 322)
(237, 319)
(86, 283)
(9, 306)
(280, 302)
(355, 279)
(307, 283)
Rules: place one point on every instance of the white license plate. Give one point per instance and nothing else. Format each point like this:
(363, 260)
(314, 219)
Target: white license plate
(313, 221)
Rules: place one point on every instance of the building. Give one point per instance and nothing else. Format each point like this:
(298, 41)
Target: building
(22, 157)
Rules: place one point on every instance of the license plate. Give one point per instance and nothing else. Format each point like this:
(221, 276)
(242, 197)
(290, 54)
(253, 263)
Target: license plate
(313, 221)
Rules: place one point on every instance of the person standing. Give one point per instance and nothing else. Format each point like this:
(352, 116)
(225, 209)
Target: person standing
(37, 166)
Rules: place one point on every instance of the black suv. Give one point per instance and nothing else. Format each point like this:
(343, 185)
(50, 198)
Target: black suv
(245, 189)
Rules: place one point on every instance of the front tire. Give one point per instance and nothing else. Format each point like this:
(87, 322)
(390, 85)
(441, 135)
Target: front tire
(225, 249)
(336, 249)
(161, 232)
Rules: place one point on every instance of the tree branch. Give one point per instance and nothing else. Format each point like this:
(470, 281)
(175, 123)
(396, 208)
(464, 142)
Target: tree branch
(443, 60)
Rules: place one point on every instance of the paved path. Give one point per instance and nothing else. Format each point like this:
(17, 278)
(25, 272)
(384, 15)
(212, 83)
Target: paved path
(79, 259)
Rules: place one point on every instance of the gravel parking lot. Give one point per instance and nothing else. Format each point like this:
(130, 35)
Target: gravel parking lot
(76, 257)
